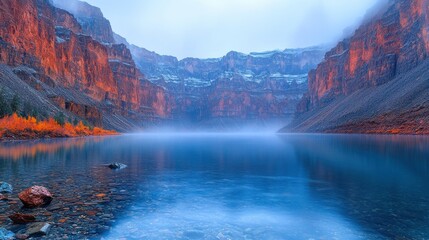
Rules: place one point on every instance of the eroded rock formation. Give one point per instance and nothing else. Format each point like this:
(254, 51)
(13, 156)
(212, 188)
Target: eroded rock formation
(387, 52)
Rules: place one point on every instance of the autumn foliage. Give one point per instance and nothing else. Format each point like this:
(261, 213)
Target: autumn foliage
(17, 127)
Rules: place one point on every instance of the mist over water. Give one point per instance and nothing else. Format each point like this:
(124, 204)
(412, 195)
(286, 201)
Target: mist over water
(220, 126)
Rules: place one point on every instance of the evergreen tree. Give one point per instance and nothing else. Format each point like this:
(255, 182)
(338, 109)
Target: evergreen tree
(60, 118)
(4, 106)
(87, 124)
(14, 105)
(29, 111)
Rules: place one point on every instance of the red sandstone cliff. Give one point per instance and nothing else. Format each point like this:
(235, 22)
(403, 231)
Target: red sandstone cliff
(385, 51)
(394, 42)
(73, 55)
(135, 95)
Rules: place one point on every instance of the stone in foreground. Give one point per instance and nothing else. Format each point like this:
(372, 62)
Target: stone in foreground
(5, 187)
(117, 166)
(38, 229)
(19, 218)
(6, 234)
(36, 196)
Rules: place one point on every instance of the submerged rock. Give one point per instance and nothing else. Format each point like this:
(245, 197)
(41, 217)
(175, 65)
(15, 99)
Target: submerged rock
(38, 229)
(19, 218)
(117, 166)
(5, 187)
(2, 197)
(21, 236)
(35, 196)
(6, 234)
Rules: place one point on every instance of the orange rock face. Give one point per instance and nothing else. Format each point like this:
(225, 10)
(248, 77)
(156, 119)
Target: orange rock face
(126, 76)
(77, 55)
(72, 60)
(394, 42)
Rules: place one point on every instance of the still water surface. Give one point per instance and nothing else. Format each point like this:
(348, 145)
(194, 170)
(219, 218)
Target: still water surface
(231, 186)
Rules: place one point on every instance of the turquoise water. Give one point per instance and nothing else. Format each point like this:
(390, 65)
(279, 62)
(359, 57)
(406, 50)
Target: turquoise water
(227, 186)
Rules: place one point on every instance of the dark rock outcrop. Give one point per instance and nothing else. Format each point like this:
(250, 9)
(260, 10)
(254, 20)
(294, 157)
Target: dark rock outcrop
(117, 166)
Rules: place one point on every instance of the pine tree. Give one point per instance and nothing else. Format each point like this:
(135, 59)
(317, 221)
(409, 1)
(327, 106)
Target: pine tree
(60, 118)
(29, 111)
(4, 106)
(14, 105)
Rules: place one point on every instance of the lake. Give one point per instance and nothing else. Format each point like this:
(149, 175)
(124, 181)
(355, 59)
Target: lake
(225, 186)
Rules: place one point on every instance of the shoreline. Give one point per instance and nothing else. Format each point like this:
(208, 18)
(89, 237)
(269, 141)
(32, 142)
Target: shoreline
(17, 140)
(15, 127)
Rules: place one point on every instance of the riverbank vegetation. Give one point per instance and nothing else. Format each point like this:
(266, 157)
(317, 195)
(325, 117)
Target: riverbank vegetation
(27, 123)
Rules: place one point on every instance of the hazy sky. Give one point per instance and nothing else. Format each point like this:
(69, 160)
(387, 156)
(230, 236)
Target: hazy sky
(211, 28)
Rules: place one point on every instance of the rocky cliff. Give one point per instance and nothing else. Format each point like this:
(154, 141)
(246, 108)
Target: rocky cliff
(129, 79)
(74, 61)
(66, 51)
(255, 86)
(61, 58)
(90, 18)
(386, 50)
(237, 86)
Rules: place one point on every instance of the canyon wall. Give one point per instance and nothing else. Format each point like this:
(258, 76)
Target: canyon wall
(389, 47)
(394, 42)
(239, 86)
(67, 52)
(74, 54)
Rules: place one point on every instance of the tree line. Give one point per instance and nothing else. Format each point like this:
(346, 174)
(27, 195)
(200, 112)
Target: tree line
(25, 109)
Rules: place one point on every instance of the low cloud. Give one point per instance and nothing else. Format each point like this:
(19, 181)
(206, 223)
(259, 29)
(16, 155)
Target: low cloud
(210, 28)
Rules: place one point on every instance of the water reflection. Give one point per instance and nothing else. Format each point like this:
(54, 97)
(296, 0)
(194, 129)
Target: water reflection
(381, 182)
(230, 186)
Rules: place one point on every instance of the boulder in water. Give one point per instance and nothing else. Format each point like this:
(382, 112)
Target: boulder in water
(117, 166)
(19, 218)
(38, 229)
(6, 234)
(5, 187)
(36, 196)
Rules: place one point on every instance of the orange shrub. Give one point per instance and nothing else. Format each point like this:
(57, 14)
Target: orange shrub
(20, 127)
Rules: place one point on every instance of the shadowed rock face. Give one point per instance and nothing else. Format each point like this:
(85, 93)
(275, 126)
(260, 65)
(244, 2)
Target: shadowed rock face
(387, 48)
(90, 18)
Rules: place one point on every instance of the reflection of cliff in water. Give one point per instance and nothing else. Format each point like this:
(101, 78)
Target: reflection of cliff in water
(30, 149)
(378, 180)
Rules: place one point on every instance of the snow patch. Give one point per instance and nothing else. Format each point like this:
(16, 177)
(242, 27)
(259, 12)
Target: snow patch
(60, 40)
(196, 82)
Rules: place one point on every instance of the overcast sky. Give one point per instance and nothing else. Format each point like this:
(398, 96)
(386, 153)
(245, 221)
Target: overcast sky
(211, 28)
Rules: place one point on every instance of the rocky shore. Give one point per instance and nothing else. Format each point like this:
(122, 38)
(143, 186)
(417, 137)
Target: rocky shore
(36, 213)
